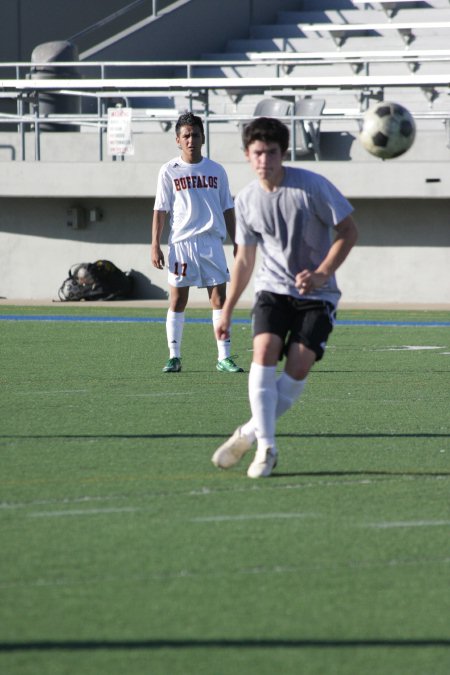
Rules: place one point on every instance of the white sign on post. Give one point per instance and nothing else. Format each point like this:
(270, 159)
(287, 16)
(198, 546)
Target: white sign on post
(119, 136)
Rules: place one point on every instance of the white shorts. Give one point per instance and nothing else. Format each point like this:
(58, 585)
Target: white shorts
(198, 261)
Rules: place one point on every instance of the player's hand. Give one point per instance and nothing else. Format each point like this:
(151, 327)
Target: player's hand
(222, 330)
(307, 281)
(157, 258)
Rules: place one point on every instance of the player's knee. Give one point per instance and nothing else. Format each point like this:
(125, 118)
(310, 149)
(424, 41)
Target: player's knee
(217, 296)
(300, 373)
(299, 369)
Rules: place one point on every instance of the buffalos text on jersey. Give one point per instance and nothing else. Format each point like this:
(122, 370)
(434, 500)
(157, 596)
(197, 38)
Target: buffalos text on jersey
(188, 182)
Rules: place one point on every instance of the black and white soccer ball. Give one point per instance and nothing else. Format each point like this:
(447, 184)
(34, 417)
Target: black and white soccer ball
(388, 130)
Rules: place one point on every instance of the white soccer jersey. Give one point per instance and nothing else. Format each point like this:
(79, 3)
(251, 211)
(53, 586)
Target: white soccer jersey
(196, 195)
(293, 226)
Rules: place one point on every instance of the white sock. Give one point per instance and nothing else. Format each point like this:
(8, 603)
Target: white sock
(289, 390)
(262, 390)
(223, 346)
(174, 331)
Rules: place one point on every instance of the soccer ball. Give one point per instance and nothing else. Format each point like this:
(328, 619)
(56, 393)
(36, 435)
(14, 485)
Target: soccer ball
(388, 130)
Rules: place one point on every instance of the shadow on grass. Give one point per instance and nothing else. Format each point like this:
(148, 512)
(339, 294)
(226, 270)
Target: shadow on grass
(363, 472)
(74, 437)
(212, 436)
(92, 645)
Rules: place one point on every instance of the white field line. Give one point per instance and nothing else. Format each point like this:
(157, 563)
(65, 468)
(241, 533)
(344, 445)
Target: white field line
(151, 394)
(240, 517)
(11, 506)
(178, 393)
(250, 516)
(211, 492)
(52, 392)
(206, 519)
(202, 492)
(407, 348)
(58, 392)
(159, 575)
(409, 523)
(82, 512)
(155, 394)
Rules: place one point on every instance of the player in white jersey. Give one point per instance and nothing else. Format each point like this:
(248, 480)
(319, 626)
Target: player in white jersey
(195, 191)
(304, 229)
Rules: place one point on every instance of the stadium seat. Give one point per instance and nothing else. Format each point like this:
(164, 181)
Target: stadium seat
(308, 131)
(272, 107)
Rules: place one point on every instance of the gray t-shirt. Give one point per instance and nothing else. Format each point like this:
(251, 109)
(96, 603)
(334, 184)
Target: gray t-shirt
(293, 227)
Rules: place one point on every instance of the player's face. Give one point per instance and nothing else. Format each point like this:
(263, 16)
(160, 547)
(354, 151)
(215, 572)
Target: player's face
(190, 141)
(266, 160)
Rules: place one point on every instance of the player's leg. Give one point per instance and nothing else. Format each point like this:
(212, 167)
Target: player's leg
(310, 325)
(289, 390)
(231, 452)
(299, 361)
(270, 397)
(217, 295)
(215, 275)
(309, 334)
(182, 273)
(267, 347)
(263, 396)
(175, 326)
(271, 319)
(225, 362)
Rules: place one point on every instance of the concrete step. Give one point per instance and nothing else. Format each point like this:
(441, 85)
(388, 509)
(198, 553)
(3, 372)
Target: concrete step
(345, 5)
(295, 31)
(353, 43)
(364, 15)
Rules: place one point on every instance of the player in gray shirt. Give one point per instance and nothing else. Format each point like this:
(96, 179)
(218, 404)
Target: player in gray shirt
(304, 229)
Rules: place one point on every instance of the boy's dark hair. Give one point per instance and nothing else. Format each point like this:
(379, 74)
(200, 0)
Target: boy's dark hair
(267, 129)
(190, 120)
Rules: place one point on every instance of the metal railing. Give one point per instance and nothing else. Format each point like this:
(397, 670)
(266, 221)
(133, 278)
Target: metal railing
(28, 91)
(155, 7)
(280, 63)
(100, 124)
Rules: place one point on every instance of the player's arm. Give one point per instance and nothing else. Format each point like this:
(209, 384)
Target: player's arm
(159, 219)
(230, 224)
(241, 273)
(346, 237)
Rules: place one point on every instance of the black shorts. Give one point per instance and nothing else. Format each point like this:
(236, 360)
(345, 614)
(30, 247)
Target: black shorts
(309, 322)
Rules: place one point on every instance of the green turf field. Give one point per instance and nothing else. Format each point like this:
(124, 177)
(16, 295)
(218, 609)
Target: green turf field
(124, 551)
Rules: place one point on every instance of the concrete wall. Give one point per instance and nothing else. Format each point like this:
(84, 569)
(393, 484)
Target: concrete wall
(27, 23)
(147, 40)
(402, 207)
(403, 255)
(24, 24)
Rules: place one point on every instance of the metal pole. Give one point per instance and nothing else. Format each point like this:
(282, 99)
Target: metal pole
(206, 134)
(37, 131)
(293, 135)
(100, 128)
(21, 128)
(207, 143)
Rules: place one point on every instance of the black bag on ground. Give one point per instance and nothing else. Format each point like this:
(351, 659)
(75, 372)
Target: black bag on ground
(100, 280)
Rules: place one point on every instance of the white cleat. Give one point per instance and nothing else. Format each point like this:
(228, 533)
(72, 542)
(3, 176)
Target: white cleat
(263, 464)
(232, 451)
